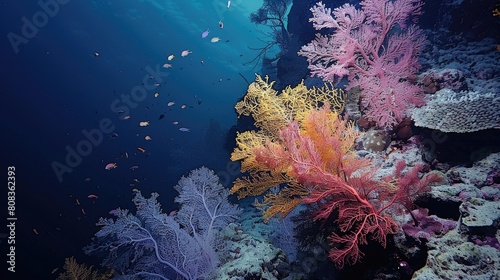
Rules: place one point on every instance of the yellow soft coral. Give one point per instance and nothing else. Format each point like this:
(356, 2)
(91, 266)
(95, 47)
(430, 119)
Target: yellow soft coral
(272, 111)
(263, 154)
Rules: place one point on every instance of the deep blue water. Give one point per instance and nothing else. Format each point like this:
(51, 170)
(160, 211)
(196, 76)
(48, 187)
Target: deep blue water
(54, 87)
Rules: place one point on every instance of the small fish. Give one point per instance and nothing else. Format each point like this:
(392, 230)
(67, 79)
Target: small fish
(83, 212)
(185, 53)
(96, 54)
(175, 123)
(172, 213)
(77, 201)
(221, 24)
(54, 270)
(134, 167)
(135, 180)
(141, 149)
(215, 39)
(126, 155)
(148, 138)
(35, 231)
(157, 94)
(166, 65)
(145, 123)
(114, 212)
(113, 135)
(228, 4)
(183, 106)
(170, 57)
(110, 166)
(170, 103)
(135, 190)
(205, 34)
(87, 179)
(184, 129)
(161, 116)
(92, 196)
(126, 117)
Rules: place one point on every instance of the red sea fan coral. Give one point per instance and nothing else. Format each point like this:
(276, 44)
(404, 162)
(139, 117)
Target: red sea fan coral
(317, 154)
(361, 202)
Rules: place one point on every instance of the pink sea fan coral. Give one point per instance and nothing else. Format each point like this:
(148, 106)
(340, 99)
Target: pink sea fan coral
(376, 49)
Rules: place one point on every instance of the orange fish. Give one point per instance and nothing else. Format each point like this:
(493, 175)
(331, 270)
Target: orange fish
(141, 149)
(92, 196)
(185, 53)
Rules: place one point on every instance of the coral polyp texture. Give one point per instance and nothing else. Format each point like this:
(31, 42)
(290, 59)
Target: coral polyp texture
(460, 112)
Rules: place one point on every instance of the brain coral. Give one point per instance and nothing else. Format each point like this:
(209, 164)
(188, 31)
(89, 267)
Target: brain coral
(460, 112)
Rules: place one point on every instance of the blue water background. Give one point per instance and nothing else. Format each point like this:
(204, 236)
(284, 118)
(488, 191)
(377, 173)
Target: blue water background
(55, 87)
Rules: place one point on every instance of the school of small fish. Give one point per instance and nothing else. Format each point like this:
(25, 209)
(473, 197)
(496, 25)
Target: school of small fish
(123, 115)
